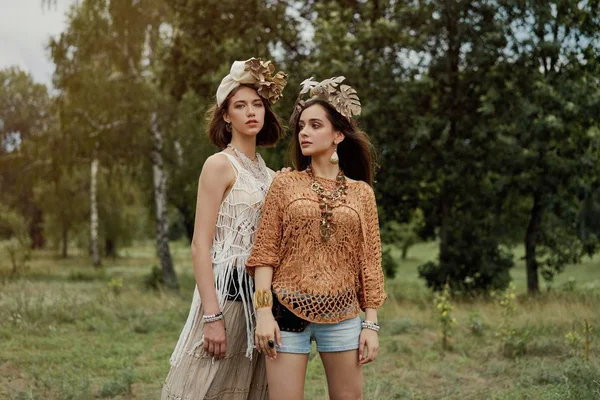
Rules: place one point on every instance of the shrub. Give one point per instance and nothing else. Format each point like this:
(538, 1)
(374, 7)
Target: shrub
(15, 241)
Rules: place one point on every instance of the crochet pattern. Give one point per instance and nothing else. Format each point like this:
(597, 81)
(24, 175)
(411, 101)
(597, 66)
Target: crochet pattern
(236, 226)
(320, 281)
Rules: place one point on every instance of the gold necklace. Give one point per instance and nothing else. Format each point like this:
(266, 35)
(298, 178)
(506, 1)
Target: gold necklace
(328, 200)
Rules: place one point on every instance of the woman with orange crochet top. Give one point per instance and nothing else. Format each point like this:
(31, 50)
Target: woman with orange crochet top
(316, 261)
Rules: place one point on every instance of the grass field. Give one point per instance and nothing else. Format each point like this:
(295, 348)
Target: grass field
(65, 333)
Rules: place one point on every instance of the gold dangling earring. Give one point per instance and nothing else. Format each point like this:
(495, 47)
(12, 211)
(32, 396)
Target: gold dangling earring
(334, 159)
(228, 126)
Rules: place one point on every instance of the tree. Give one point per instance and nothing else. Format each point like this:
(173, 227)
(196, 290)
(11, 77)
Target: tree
(549, 108)
(107, 63)
(454, 155)
(420, 69)
(60, 187)
(186, 149)
(484, 112)
(16, 243)
(122, 210)
(208, 36)
(90, 116)
(24, 116)
(404, 235)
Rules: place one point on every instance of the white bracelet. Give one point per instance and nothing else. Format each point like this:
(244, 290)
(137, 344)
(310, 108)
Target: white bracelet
(370, 325)
(213, 318)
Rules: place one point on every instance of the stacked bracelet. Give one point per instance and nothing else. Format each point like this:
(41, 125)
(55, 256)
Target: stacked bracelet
(213, 318)
(370, 325)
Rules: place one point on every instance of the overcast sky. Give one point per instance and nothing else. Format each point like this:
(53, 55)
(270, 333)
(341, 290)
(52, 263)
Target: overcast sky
(25, 29)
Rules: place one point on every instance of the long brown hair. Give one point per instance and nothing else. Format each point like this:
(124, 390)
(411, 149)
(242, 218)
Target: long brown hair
(356, 153)
(268, 136)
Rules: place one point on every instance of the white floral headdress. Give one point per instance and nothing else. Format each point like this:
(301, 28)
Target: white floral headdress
(342, 97)
(255, 73)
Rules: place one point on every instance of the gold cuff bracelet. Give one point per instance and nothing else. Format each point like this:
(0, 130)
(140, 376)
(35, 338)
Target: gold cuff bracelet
(263, 299)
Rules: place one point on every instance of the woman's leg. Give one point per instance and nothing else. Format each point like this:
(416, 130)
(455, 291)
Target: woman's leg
(287, 373)
(286, 376)
(338, 346)
(344, 375)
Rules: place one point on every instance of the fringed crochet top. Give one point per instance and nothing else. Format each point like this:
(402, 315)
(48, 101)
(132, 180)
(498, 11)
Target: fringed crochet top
(236, 226)
(320, 281)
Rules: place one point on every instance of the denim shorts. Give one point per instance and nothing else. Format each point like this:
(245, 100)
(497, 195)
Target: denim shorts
(341, 336)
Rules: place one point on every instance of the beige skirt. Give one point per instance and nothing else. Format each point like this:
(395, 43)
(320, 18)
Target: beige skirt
(233, 378)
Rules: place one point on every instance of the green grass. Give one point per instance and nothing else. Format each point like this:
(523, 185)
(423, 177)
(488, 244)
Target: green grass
(65, 335)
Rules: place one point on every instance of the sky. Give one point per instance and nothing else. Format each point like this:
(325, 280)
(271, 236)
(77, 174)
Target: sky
(25, 29)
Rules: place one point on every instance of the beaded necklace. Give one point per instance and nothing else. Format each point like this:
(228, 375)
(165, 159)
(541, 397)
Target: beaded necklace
(328, 200)
(256, 167)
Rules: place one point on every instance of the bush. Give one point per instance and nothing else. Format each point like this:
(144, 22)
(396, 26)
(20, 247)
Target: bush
(474, 262)
(88, 275)
(115, 285)
(476, 325)
(121, 385)
(15, 242)
(573, 379)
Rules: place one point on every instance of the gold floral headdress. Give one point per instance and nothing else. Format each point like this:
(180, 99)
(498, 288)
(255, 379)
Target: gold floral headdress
(256, 73)
(342, 97)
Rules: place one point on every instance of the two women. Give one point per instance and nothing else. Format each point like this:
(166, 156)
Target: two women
(317, 248)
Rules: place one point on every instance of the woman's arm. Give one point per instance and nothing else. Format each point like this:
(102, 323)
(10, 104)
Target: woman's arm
(216, 178)
(261, 263)
(267, 328)
(369, 339)
(372, 293)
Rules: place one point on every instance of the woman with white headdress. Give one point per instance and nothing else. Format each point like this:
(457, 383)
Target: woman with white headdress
(215, 356)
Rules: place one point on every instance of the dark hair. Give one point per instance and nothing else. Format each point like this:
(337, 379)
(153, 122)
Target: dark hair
(268, 136)
(356, 153)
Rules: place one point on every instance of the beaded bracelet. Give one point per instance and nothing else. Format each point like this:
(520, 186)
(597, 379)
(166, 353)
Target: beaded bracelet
(370, 325)
(213, 318)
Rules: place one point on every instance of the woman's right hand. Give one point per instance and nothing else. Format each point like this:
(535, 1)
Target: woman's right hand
(267, 330)
(215, 340)
(283, 170)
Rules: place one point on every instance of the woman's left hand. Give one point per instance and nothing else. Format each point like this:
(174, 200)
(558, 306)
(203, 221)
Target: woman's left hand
(369, 339)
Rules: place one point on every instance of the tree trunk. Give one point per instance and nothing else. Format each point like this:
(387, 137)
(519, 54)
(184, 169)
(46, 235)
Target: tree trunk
(453, 56)
(405, 248)
(94, 214)
(186, 212)
(404, 252)
(65, 242)
(189, 228)
(444, 226)
(531, 238)
(110, 249)
(160, 199)
(36, 230)
(188, 220)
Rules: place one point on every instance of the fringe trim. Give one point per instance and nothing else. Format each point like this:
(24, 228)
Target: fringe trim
(223, 276)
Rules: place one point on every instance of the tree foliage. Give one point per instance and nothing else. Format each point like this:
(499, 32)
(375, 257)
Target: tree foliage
(484, 114)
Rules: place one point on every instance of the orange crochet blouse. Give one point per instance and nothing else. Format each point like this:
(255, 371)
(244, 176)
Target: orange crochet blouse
(320, 281)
